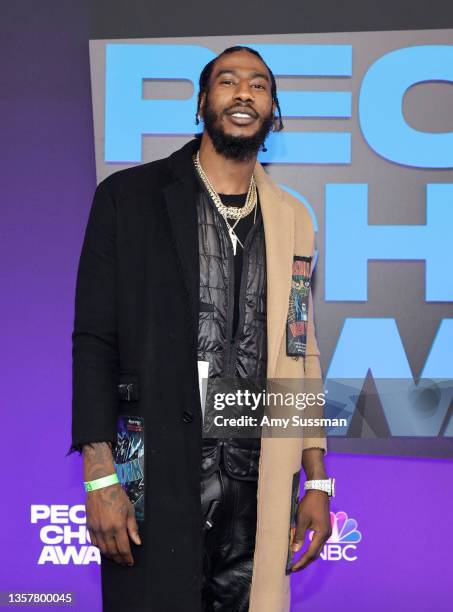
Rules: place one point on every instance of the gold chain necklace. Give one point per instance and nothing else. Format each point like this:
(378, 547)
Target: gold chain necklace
(229, 212)
(232, 212)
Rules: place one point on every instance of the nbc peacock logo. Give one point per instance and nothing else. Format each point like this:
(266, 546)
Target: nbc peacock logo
(342, 544)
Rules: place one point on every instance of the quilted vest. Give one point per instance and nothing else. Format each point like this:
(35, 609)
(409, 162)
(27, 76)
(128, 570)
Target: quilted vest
(245, 353)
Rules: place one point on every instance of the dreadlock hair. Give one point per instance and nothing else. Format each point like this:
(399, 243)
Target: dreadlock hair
(206, 75)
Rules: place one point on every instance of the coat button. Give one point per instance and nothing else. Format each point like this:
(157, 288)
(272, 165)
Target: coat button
(187, 416)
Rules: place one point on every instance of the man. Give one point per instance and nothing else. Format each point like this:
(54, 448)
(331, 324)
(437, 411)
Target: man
(167, 280)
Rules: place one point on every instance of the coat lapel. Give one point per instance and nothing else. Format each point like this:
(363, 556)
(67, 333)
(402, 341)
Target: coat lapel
(181, 201)
(183, 220)
(278, 219)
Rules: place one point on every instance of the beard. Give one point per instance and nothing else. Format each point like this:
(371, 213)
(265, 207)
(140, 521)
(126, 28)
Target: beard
(239, 148)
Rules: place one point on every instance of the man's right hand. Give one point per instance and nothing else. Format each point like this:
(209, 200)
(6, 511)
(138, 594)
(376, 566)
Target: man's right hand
(110, 521)
(110, 513)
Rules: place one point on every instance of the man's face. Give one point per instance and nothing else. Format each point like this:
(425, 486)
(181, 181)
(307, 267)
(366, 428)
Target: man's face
(238, 110)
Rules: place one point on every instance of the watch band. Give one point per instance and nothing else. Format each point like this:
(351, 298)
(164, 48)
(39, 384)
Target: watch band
(326, 485)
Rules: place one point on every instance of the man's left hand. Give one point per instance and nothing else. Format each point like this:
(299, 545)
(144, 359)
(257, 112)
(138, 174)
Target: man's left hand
(313, 512)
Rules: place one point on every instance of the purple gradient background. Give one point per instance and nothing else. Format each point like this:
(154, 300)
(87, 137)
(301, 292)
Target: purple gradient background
(403, 506)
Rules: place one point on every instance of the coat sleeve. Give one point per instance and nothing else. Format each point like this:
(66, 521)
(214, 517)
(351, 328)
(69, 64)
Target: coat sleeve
(95, 358)
(313, 376)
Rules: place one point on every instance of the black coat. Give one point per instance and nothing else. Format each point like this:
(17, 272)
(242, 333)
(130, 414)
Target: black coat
(136, 319)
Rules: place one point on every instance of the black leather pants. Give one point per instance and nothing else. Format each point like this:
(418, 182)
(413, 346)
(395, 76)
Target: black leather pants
(229, 509)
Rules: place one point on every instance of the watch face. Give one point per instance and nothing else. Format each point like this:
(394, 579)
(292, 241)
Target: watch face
(332, 488)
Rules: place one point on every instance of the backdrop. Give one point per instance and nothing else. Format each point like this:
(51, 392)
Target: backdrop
(367, 142)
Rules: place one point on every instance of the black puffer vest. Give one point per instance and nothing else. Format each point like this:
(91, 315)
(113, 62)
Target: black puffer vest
(245, 354)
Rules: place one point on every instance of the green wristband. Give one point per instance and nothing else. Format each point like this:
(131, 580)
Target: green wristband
(92, 485)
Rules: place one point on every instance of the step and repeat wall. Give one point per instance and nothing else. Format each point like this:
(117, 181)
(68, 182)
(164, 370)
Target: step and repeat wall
(368, 149)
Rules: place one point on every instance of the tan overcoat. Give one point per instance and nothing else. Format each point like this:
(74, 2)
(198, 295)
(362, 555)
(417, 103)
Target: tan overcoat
(288, 231)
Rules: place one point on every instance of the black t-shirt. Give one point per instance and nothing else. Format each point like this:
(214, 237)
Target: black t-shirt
(242, 229)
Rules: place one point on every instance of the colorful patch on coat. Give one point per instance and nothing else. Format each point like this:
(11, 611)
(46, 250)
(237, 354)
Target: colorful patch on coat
(297, 321)
(129, 457)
